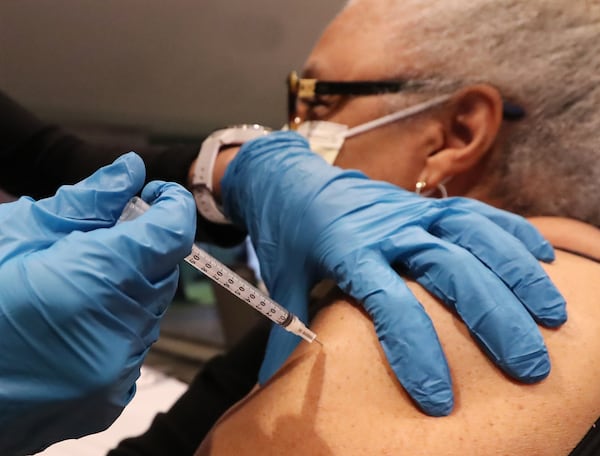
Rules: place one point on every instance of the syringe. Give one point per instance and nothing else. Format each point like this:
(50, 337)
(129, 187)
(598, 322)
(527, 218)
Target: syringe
(232, 282)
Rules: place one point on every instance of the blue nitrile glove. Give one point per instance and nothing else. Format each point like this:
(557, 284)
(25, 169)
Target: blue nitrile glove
(81, 300)
(309, 220)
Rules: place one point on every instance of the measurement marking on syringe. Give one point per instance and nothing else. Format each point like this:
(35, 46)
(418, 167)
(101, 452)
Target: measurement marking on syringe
(237, 286)
(229, 280)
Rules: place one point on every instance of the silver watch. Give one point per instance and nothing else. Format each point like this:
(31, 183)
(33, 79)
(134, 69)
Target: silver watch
(202, 184)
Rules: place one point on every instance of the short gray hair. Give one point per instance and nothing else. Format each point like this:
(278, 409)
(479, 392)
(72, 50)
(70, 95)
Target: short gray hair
(543, 55)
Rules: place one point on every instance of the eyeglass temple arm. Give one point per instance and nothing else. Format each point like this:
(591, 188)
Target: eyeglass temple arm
(308, 88)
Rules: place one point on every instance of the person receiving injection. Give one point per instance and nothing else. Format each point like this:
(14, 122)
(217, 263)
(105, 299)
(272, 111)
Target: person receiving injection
(81, 297)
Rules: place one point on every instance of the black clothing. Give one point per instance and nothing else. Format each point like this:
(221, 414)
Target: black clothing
(590, 445)
(222, 382)
(36, 158)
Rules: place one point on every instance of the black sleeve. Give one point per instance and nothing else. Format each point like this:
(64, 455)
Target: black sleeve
(224, 380)
(590, 445)
(36, 158)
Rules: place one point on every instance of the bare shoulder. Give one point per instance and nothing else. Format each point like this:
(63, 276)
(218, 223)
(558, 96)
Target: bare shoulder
(343, 399)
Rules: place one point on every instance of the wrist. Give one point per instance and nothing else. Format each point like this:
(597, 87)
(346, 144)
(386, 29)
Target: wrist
(226, 155)
(215, 154)
(221, 163)
(273, 172)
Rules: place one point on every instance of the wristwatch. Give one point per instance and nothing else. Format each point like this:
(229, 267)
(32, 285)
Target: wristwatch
(202, 184)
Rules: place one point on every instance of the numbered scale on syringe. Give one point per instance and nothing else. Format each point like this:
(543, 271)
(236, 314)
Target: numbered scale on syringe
(229, 280)
(238, 286)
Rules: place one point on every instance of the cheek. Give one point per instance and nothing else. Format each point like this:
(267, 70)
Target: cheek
(380, 158)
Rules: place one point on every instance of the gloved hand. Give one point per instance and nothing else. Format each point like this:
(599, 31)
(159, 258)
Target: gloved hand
(309, 221)
(81, 300)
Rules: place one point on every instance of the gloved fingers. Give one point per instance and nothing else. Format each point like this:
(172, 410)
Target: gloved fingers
(509, 222)
(143, 304)
(96, 201)
(404, 329)
(94, 284)
(155, 242)
(495, 317)
(512, 263)
(131, 371)
(294, 297)
(85, 355)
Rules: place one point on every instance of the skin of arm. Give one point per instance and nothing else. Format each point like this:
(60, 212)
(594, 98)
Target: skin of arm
(343, 399)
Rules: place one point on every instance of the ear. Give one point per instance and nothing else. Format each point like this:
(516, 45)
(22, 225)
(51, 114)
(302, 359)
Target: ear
(470, 125)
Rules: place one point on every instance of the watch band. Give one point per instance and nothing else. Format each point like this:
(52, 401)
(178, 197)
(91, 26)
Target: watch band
(202, 184)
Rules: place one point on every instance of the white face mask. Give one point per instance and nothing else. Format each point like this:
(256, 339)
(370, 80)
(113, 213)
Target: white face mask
(327, 138)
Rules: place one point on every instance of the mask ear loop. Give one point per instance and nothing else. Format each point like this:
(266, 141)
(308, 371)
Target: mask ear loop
(402, 114)
(440, 187)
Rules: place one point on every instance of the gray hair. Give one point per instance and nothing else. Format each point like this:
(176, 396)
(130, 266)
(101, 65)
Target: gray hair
(543, 55)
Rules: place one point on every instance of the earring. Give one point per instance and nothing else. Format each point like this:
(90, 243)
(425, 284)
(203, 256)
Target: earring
(419, 186)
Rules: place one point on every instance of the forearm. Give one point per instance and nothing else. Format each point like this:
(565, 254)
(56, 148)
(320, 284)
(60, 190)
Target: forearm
(221, 163)
(37, 157)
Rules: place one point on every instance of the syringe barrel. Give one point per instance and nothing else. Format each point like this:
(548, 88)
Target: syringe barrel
(134, 208)
(229, 280)
(236, 285)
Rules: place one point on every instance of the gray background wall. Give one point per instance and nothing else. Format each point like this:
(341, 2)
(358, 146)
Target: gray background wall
(173, 67)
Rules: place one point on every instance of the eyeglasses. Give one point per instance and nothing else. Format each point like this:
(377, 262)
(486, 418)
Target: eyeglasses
(308, 89)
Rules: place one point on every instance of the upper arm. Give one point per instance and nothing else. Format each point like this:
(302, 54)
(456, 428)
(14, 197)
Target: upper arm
(345, 399)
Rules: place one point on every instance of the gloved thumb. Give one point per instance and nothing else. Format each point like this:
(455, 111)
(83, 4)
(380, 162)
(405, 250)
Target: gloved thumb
(98, 200)
(95, 202)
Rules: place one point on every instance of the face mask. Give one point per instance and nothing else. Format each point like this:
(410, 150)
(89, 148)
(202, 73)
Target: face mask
(327, 138)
